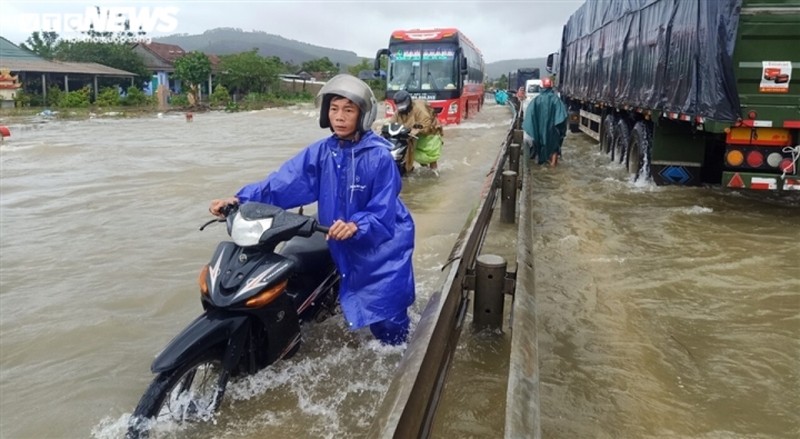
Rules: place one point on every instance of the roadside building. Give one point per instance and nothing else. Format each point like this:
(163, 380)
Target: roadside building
(159, 59)
(34, 73)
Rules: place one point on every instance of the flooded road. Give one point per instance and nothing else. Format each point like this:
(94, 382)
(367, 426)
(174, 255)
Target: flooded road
(663, 312)
(100, 256)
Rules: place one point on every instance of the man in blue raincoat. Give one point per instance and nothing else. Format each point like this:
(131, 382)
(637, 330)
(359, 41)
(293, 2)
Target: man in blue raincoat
(546, 123)
(354, 180)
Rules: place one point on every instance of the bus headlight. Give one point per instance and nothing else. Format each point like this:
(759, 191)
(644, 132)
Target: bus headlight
(453, 108)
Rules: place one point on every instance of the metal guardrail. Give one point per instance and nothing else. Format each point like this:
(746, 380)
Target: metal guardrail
(409, 407)
(522, 395)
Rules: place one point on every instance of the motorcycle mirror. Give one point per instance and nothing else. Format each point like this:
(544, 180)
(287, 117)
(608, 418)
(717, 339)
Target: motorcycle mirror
(215, 220)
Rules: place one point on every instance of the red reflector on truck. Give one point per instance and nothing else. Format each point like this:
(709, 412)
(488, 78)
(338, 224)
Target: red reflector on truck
(787, 166)
(736, 181)
(755, 159)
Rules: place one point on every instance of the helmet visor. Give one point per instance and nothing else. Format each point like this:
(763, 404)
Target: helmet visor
(403, 106)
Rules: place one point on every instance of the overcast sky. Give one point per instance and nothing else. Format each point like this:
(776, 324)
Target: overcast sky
(502, 29)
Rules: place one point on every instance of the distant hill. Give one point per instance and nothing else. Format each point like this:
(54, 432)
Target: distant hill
(225, 41)
(497, 68)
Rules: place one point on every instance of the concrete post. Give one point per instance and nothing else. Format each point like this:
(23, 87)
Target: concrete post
(513, 157)
(517, 137)
(508, 197)
(490, 275)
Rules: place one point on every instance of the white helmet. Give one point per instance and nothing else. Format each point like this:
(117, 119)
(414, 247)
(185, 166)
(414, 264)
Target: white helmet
(350, 87)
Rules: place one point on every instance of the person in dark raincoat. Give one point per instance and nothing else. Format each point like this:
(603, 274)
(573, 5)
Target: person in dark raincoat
(354, 180)
(546, 123)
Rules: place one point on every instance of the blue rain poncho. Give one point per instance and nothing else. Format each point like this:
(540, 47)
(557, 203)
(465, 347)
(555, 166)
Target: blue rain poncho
(501, 97)
(546, 123)
(358, 182)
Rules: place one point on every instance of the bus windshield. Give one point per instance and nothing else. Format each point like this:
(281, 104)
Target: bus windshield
(418, 67)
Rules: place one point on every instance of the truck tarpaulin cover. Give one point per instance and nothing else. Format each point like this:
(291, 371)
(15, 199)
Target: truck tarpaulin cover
(667, 55)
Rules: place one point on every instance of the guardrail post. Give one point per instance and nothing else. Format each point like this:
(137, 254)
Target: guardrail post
(517, 137)
(508, 197)
(513, 157)
(490, 274)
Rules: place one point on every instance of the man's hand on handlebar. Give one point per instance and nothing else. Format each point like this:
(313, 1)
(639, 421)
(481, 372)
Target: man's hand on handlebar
(341, 230)
(219, 206)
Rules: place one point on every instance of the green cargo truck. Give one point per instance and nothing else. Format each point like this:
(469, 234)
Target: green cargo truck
(688, 91)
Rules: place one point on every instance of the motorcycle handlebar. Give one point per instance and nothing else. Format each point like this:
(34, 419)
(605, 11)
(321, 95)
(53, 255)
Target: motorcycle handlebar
(322, 229)
(227, 209)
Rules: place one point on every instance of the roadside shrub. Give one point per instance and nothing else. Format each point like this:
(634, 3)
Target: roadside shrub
(25, 99)
(108, 97)
(179, 100)
(136, 97)
(232, 107)
(53, 97)
(220, 97)
(76, 99)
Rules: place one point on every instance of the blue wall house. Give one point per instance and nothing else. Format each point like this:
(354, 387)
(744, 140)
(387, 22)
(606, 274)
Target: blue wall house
(160, 59)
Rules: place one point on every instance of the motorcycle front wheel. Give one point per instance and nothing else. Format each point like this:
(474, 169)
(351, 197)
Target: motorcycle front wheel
(191, 392)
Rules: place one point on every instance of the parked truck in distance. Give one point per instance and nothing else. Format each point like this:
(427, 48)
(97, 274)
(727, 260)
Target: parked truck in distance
(688, 92)
(521, 76)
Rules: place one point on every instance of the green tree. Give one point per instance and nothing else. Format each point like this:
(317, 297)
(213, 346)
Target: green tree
(194, 68)
(367, 67)
(107, 48)
(43, 44)
(116, 55)
(289, 67)
(502, 83)
(320, 65)
(248, 72)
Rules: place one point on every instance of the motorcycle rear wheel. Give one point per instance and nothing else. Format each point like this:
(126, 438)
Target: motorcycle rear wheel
(191, 392)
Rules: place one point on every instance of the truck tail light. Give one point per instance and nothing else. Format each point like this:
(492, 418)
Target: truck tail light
(774, 159)
(787, 166)
(735, 158)
(755, 159)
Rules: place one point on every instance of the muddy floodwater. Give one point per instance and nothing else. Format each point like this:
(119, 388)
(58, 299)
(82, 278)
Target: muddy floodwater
(101, 251)
(663, 312)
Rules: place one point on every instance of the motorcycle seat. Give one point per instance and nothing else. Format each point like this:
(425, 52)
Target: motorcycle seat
(309, 254)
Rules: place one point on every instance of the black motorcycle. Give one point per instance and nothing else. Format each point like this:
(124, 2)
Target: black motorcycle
(399, 136)
(254, 299)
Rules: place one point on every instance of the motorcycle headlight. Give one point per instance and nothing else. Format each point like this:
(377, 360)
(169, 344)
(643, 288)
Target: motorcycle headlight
(247, 233)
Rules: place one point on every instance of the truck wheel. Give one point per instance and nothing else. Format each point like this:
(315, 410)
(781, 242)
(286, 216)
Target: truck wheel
(639, 151)
(622, 138)
(607, 138)
(573, 121)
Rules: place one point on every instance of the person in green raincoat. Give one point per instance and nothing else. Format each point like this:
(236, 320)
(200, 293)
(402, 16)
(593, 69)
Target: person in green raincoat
(546, 123)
